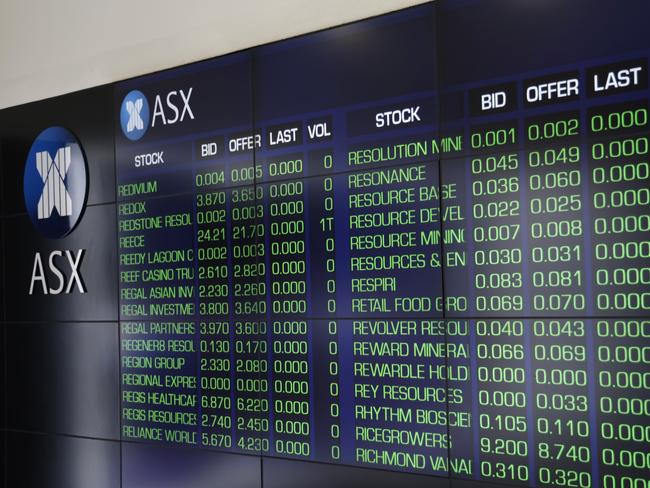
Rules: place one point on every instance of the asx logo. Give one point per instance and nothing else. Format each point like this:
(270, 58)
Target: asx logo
(135, 112)
(55, 187)
(53, 172)
(134, 115)
(55, 182)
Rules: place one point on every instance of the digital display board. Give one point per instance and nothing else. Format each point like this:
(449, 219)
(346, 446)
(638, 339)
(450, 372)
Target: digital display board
(386, 246)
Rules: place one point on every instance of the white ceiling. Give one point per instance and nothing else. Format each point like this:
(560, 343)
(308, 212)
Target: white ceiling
(48, 47)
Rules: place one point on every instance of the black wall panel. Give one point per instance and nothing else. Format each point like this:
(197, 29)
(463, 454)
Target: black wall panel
(88, 114)
(44, 461)
(3, 376)
(3, 458)
(96, 235)
(68, 372)
(2, 164)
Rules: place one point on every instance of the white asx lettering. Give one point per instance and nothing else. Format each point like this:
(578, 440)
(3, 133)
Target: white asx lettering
(172, 114)
(59, 281)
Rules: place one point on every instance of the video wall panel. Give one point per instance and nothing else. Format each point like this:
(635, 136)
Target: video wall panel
(406, 274)
(551, 330)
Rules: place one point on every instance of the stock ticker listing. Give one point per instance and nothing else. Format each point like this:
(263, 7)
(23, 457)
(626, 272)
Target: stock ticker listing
(382, 245)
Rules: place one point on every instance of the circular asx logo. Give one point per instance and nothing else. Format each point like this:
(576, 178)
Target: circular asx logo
(55, 182)
(134, 115)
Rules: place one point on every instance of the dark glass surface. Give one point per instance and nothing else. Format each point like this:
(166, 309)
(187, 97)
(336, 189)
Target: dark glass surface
(46, 461)
(3, 457)
(366, 61)
(578, 26)
(145, 466)
(69, 373)
(96, 235)
(87, 114)
(284, 473)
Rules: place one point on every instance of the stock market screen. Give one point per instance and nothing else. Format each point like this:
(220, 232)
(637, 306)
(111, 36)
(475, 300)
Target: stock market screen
(420, 243)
